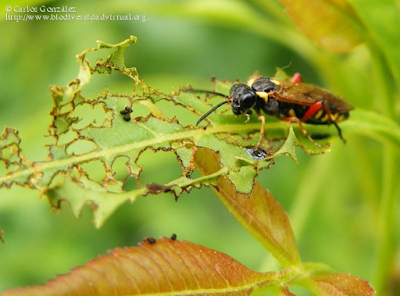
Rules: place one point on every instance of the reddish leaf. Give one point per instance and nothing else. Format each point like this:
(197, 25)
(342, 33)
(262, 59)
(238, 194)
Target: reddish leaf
(258, 212)
(330, 24)
(340, 284)
(166, 266)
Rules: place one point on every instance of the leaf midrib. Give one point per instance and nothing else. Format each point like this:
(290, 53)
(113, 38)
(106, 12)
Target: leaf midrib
(103, 153)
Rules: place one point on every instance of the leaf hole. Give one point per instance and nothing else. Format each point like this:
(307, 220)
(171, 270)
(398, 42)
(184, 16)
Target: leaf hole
(118, 81)
(66, 109)
(130, 184)
(68, 137)
(80, 147)
(140, 109)
(194, 175)
(89, 115)
(5, 153)
(10, 153)
(184, 115)
(95, 170)
(120, 167)
(57, 180)
(159, 167)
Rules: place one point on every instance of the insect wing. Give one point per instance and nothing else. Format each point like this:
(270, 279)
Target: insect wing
(307, 94)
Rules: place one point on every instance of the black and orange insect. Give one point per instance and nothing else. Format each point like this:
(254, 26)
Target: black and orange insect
(292, 101)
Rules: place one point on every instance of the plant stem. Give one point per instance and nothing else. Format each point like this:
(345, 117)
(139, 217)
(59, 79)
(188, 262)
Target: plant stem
(385, 234)
(386, 226)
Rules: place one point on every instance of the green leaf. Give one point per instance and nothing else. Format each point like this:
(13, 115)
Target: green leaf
(330, 24)
(91, 131)
(288, 147)
(78, 190)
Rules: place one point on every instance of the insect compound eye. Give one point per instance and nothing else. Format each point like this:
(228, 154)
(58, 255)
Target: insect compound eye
(247, 101)
(264, 84)
(243, 98)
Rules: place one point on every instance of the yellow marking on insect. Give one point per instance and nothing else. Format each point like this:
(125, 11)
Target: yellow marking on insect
(340, 118)
(263, 95)
(335, 116)
(319, 114)
(251, 81)
(325, 118)
(277, 82)
(291, 113)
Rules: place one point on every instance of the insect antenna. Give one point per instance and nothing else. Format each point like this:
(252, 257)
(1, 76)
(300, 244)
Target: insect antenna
(211, 93)
(206, 92)
(211, 111)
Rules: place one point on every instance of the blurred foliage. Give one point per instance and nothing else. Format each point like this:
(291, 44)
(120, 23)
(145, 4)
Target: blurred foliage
(342, 204)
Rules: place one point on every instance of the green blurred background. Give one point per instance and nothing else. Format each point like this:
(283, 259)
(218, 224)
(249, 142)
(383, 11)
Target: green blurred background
(332, 199)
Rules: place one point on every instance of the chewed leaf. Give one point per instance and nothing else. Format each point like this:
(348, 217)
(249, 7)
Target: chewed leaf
(330, 24)
(288, 147)
(78, 190)
(98, 141)
(162, 267)
(13, 160)
(258, 212)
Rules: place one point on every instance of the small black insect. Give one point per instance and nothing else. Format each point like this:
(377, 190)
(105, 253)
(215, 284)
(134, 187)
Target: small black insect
(150, 240)
(174, 236)
(293, 101)
(126, 112)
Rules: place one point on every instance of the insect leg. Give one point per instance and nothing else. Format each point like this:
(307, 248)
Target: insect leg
(262, 130)
(314, 108)
(332, 120)
(303, 130)
(248, 116)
